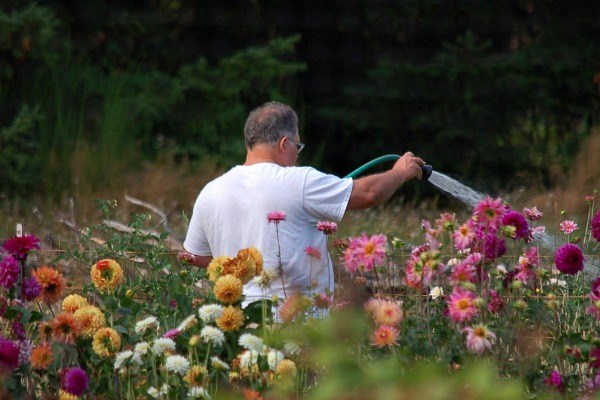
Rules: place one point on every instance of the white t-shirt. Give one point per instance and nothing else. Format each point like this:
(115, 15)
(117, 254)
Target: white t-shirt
(231, 214)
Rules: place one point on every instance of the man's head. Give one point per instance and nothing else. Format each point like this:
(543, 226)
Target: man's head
(268, 123)
(275, 126)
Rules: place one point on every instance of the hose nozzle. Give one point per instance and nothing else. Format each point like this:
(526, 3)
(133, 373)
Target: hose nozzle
(427, 171)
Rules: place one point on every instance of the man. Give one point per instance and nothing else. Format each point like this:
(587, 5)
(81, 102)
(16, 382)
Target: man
(231, 211)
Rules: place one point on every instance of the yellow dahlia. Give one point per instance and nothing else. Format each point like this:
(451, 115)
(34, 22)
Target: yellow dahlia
(228, 289)
(41, 356)
(74, 302)
(197, 375)
(90, 319)
(245, 266)
(64, 395)
(52, 282)
(107, 274)
(215, 268)
(106, 342)
(232, 319)
(286, 368)
(255, 255)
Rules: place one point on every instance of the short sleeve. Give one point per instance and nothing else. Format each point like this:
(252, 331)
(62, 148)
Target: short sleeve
(196, 241)
(326, 196)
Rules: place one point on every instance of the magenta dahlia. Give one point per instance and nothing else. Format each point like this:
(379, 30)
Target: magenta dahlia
(9, 271)
(516, 219)
(596, 227)
(569, 259)
(75, 381)
(9, 354)
(19, 246)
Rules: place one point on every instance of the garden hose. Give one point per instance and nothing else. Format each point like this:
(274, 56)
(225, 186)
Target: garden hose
(427, 169)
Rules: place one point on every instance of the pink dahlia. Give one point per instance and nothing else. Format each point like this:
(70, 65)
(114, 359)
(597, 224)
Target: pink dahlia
(327, 227)
(461, 305)
(384, 312)
(479, 338)
(596, 227)
(384, 335)
(518, 221)
(533, 213)
(489, 212)
(172, 334)
(74, 381)
(9, 355)
(569, 259)
(463, 272)
(493, 246)
(365, 252)
(19, 246)
(465, 234)
(9, 271)
(276, 217)
(567, 227)
(495, 304)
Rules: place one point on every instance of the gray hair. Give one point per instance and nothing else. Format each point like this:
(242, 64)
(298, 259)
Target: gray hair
(270, 122)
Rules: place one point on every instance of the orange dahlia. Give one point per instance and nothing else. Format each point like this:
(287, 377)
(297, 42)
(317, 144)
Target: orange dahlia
(197, 375)
(106, 274)
(90, 319)
(41, 356)
(228, 289)
(73, 302)
(106, 342)
(52, 281)
(232, 319)
(46, 330)
(65, 328)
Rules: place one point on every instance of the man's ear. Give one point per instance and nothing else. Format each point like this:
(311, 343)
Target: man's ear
(282, 144)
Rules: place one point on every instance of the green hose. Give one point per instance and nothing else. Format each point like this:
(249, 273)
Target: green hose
(427, 169)
(372, 163)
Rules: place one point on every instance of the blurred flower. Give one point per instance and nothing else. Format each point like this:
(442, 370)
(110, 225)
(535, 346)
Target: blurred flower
(313, 252)
(228, 289)
(596, 286)
(321, 301)
(197, 392)
(172, 334)
(106, 342)
(286, 368)
(533, 213)
(436, 292)
(219, 364)
(569, 259)
(251, 342)
(479, 338)
(89, 319)
(177, 364)
(493, 246)
(186, 257)
(65, 328)
(196, 375)
(495, 304)
(327, 227)
(595, 358)
(121, 357)
(596, 227)
(293, 306)
(384, 312)
(141, 348)
(555, 379)
(106, 274)
(161, 345)
(274, 358)
(41, 356)
(74, 381)
(20, 246)
(141, 326)
(31, 289)
(9, 271)
(276, 217)
(9, 355)
(232, 319)
(384, 335)
(210, 312)
(567, 227)
(187, 323)
(461, 305)
(210, 334)
(53, 283)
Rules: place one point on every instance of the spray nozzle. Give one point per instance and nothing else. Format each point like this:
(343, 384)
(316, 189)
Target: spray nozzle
(427, 171)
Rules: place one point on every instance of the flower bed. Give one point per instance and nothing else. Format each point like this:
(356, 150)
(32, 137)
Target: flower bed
(146, 324)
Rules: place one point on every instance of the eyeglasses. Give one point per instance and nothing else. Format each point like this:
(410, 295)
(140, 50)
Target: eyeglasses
(299, 146)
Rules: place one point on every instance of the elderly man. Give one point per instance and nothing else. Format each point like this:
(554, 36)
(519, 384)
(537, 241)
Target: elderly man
(231, 211)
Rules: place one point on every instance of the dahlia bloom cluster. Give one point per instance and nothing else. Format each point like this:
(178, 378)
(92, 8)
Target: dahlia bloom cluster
(386, 315)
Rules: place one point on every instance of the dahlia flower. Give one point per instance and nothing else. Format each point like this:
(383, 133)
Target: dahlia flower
(274, 358)
(596, 227)
(9, 271)
(215, 267)
(228, 289)
(465, 234)
(384, 335)
(52, 282)
(313, 252)
(196, 375)
(212, 335)
(533, 213)
(276, 217)
(365, 252)
(251, 342)
(210, 312)
(41, 356)
(177, 364)
(106, 342)
(569, 259)
(384, 312)
(20, 246)
(518, 221)
(286, 368)
(461, 305)
(555, 379)
(75, 381)
(327, 227)
(65, 328)
(479, 338)
(73, 302)
(89, 319)
(106, 274)
(9, 355)
(31, 289)
(567, 227)
(489, 212)
(141, 326)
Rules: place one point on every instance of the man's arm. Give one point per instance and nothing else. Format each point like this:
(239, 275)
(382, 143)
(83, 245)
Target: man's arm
(198, 261)
(376, 189)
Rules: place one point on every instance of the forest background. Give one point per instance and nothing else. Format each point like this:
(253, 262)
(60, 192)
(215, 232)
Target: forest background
(150, 97)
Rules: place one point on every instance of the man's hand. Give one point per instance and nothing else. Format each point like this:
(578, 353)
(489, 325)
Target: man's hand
(199, 261)
(409, 166)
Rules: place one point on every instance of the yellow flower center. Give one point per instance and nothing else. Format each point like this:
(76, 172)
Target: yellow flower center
(462, 304)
